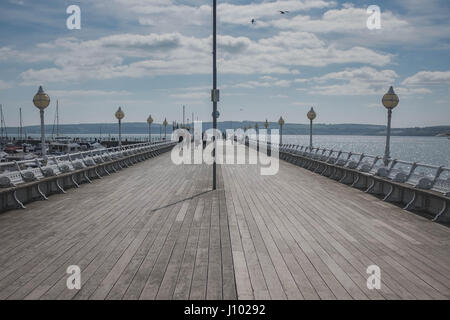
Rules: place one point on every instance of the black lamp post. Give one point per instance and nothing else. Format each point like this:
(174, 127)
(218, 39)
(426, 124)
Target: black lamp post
(390, 101)
(281, 123)
(41, 101)
(311, 116)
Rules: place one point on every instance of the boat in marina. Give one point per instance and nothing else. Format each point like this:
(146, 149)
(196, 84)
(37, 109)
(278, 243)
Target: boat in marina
(63, 145)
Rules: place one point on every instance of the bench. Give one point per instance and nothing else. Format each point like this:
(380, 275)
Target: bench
(370, 174)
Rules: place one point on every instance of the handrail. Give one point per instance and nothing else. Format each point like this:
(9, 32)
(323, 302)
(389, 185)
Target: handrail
(363, 158)
(438, 170)
(82, 153)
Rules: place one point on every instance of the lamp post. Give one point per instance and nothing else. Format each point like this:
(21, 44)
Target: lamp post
(120, 115)
(41, 101)
(214, 91)
(150, 121)
(390, 101)
(311, 116)
(165, 123)
(281, 123)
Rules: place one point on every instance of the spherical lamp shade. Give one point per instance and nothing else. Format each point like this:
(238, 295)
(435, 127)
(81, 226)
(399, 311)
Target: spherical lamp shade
(281, 121)
(41, 100)
(390, 99)
(120, 114)
(150, 119)
(311, 114)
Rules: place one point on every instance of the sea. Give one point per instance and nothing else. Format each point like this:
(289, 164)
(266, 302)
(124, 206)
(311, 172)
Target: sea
(425, 150)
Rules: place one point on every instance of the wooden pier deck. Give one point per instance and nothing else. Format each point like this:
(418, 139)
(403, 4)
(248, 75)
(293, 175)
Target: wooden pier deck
(156, 231)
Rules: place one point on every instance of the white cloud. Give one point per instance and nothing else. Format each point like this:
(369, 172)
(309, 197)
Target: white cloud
(360, 81)
(428, 78)
(264, 82)
(86, 93)
(191, 95)
(367, 74)
(349, 23)
(345, 20)
(242, 14)
(176, 54)
(17, 2)
(155, 13)
(355, 81)
(412, 91)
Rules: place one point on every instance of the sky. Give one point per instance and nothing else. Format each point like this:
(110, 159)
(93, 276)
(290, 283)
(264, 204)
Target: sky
(153, 56)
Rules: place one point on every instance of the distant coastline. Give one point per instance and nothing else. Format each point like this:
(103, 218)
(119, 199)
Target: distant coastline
(288, 129)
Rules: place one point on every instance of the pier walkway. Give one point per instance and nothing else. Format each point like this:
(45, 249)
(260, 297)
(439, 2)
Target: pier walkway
(156, 231)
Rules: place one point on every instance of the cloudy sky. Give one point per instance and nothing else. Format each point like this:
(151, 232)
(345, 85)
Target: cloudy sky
(153, 56)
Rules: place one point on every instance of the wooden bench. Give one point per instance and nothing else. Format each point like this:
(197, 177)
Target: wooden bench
(374, 177)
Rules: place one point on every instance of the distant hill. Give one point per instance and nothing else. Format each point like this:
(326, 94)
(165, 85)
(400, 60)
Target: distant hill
(289, 129)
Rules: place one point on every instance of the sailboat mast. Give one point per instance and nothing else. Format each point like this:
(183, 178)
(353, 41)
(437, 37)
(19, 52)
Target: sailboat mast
(57, 118)
(20, 124)
(1, 120)
(4, 133)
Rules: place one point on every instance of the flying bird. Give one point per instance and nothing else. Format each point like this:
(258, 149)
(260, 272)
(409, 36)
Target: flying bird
(283, 12)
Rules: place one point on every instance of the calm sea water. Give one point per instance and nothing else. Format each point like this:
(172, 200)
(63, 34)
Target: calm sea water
(428, 150)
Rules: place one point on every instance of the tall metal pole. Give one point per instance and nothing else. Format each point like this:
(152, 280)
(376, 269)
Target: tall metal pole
(57, 118)
(43, 150)
(310, 134)
(281, 134)
(150, 132)
(21, 125)
(387, 151)
(120, 134)
(214, 88)
(3, 126)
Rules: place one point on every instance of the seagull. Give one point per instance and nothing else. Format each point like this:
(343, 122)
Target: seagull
(253, 21)
(284, 12)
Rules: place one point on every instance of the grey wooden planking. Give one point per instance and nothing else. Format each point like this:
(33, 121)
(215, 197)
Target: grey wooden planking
(157, 231)
(327, 234)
